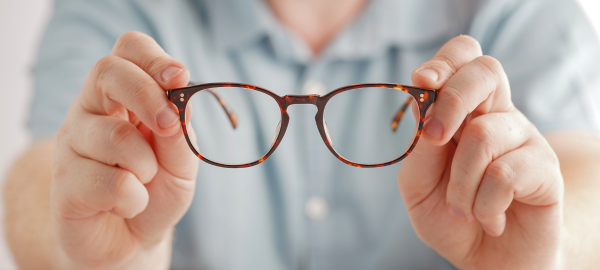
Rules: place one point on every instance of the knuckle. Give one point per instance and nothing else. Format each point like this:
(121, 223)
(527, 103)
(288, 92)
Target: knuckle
(548, 152)
(124, 41)
(553, 159)
(499, 174)
(122, 139)
(154, 64)
(453, 98)
(461, 191)
(464, 49)
(489, 61)
(469, 43)
(447, 62)
(103, 69)
(142, 89)
(481, 133)
(482, 214)
(59, 172)
(62, 134)
(479, 212)
(105, 64)
(480, 130)
(490, 65)
(60, 169)
(118, 186)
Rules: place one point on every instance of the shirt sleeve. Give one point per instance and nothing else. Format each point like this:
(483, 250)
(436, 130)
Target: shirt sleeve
(552, 58)
(77, 36)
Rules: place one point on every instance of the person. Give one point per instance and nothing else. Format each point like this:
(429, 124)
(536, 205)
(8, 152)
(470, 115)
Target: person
(505, 175)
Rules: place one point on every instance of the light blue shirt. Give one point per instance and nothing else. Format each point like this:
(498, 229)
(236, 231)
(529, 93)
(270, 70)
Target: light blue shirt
(255, 218)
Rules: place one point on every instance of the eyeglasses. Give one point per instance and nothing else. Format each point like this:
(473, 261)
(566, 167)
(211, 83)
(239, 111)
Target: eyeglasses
(239, 125)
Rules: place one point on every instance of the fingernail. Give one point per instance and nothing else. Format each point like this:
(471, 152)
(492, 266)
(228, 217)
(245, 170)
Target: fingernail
(456, 213)
(434, 128)
(429, 74)
(170, 72)
(166, 118)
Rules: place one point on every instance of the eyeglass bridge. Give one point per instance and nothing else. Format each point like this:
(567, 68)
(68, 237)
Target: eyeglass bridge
(301, 99)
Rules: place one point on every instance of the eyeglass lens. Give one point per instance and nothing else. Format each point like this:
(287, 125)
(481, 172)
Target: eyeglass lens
(235, 125)
(361, 127)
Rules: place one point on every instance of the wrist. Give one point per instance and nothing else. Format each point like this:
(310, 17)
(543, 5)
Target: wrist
(154, 256)
(157, 257)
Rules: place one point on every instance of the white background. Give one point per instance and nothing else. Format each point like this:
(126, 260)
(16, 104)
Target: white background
(21, 24)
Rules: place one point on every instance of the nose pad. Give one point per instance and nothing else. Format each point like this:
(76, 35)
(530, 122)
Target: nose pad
(327, 133)
(276, 133)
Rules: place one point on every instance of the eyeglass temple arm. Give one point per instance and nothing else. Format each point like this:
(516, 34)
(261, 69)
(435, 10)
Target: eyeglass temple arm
(400, 113)
(230, 113)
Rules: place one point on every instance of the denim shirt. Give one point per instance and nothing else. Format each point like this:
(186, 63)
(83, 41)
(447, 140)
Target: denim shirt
(263, 217)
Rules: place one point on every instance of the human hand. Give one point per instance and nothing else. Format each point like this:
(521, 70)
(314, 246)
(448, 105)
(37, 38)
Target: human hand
(124, 174)
(483, 187)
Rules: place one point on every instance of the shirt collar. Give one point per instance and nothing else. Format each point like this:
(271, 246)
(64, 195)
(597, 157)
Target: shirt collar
(234, 22)
(392, 23)
(382, 24)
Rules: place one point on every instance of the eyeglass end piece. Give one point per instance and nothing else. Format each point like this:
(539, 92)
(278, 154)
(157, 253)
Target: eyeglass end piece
(233, 118)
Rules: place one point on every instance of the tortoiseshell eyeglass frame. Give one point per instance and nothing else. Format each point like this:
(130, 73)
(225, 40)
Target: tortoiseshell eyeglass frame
(424, 98)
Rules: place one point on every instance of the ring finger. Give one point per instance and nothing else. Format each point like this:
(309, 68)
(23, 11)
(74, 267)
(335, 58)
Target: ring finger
(484, 139)
(114, 142)
(87, 187)
(513, 177)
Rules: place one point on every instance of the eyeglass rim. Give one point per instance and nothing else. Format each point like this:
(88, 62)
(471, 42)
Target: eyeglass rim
(424, 102)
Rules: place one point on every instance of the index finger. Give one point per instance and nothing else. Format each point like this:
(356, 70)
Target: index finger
(135, 77)
(116, 86)
(456, 53)
(478, 88)
(145, 52)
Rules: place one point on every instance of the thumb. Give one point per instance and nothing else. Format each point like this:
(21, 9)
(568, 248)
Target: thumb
(421, 172)
(424, 168)
(174, 154)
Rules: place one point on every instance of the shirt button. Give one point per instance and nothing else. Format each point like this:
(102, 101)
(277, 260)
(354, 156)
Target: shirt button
(314, 87)
(316, 209)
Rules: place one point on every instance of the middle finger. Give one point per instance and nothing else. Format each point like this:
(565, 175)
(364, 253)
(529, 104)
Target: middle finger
(115, 142)
(479, 87)
(484, 139)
